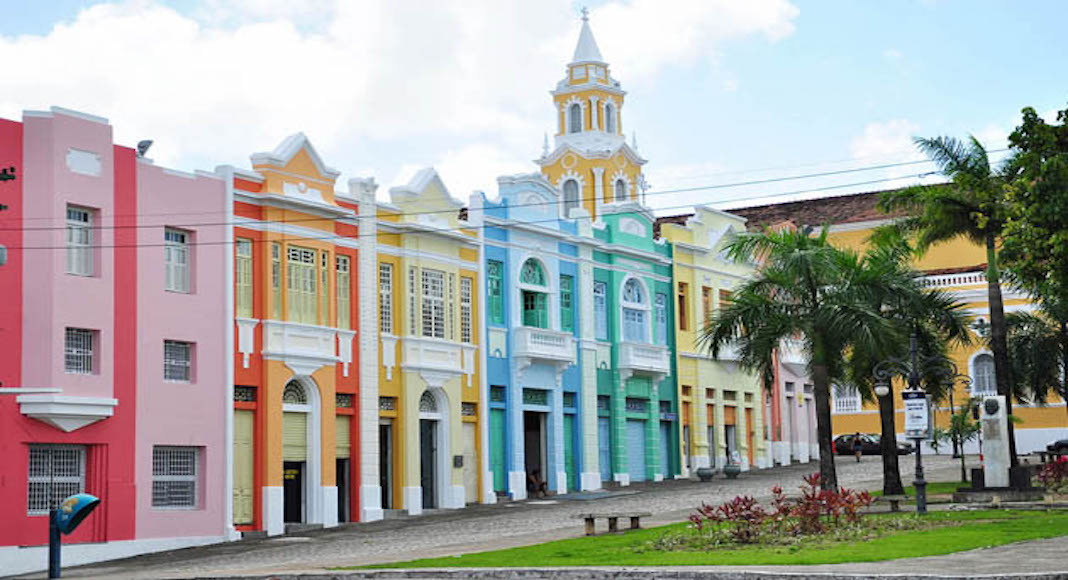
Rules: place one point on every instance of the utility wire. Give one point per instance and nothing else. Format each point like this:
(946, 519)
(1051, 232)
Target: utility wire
(430, 230)
(528, 204)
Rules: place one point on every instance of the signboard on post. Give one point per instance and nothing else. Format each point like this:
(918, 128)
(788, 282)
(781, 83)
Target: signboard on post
(917, 414)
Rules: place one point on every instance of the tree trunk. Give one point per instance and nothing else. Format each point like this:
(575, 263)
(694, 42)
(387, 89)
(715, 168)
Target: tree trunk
(822, 393)
(888, 447)
(998, 341)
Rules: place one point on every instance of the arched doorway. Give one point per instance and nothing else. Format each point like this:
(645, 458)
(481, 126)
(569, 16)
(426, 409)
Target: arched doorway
(301, 470)
(433, 448)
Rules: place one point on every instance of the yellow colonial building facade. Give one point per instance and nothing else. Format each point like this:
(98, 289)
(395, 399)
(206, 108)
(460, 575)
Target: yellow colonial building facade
(721, 405)
(430, 421)
(957, 267)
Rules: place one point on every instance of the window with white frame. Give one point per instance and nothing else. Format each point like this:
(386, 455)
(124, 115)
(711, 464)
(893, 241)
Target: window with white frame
(600, 310)
(635, 310)
(660, 312)
(846, 399)
(302, 289)
(55, 473)
(176, 260)
(984, 381)
(534, 294)
(276, 280)
(385, 298)
(609, 118)
(413, 298)
(433, 303)
(174, 476)
(79, 346)
(79, 241)
(571, 196)
(344, 292)
(324, 288)
(574, 118)
(243, 275)
(621, 190)
(465, 310)
(177, 360)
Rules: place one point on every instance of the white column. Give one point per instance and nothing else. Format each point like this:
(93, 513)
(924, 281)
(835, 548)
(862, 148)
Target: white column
(475, 214)
(598, 195)
(370, 487)
(595, 114)
(590, 478)
(228, 277)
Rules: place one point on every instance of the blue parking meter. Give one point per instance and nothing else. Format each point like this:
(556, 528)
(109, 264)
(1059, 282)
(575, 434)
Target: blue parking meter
(65, 519)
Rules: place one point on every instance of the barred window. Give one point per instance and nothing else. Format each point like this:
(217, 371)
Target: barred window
(176, 260)
(78, 350)
(385, 298)
(79, 241)
(450, 306)
(301, 285)
(324, 288)
(243, 274)
(433, 303)
(177, 360)
(412, 297)
(174, 476)
(55, 473)
(465, 309)
(344, 293)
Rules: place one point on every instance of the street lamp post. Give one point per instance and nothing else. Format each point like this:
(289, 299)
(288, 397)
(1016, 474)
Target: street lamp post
(913, 369)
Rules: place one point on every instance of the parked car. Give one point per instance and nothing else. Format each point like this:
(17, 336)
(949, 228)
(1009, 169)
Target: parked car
(1058, 446)
(869, 445)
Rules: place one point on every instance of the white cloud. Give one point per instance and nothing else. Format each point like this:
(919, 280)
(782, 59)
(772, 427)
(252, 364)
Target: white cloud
(376, 83)
(884, 140)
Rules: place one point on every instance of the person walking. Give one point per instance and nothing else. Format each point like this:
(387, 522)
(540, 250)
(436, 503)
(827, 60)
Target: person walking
(858, 446)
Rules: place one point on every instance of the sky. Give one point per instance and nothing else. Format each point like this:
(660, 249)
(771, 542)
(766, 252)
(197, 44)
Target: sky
(719, 92)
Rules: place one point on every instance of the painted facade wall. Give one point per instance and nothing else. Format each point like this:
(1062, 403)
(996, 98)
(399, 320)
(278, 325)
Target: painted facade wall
(957, 267)
(723, 406)
(96, 421)
(295, 361)
(533, 287)
(431, 423)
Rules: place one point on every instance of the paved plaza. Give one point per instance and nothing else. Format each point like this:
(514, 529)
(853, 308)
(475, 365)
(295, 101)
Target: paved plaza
(481, 528)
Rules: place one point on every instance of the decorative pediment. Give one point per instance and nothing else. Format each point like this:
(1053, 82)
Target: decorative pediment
(292, 150)
(428, 187)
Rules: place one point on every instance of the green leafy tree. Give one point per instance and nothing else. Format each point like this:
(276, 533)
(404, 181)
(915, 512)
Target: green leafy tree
(935, 317)
(1038, 351)
(1036, 230)
(972, 206)
(807, 289)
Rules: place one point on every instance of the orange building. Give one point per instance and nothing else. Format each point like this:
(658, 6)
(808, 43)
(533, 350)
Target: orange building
(296, 388)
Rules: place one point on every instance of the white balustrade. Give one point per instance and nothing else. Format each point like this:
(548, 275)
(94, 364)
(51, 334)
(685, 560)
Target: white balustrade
(540, 343)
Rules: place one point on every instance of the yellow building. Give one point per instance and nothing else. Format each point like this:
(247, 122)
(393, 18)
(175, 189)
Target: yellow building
(957, 267)
(429, 417)
(591, 162)
(722, 407)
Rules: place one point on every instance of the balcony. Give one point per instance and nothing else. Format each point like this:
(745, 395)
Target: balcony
(792, 354)
(306, 347)
(437, 360)
(544, 345)
(729, 352)
(644, 358)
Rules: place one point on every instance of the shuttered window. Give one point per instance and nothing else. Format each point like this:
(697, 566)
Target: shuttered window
(385, 298)
(243, 277)
(344, 293)
(302, 287)
(494, 292)
(433, 303)
(465, 310)
(79, 241)
(567, 298)
(176, 260)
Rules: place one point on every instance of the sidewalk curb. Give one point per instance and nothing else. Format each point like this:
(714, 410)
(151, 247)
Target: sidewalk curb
(602, 573)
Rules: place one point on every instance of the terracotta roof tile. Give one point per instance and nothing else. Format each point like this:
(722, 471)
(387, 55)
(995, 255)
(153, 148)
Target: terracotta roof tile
(843, 209)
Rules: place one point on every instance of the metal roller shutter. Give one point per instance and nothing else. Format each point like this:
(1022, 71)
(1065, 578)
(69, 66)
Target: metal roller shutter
(294, 437)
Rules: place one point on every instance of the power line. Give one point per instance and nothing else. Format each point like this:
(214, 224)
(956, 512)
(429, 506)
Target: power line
(429, 230)
(747, 183)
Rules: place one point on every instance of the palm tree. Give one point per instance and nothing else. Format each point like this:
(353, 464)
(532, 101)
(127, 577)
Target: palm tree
(1038, 352)
(935, 316)
(971, 205)
(805, 288)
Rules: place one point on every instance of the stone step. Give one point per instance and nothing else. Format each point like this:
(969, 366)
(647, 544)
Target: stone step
(254, 535)
(298, 528)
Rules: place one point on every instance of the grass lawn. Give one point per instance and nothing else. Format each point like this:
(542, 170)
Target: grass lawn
(973, 530)
(933, 488)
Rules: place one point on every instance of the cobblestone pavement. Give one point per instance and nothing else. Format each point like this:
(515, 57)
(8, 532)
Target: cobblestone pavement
(476, 528)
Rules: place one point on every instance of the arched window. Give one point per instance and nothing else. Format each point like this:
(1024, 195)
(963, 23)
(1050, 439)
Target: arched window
(635, 312)
(609, 118)
(427, 403)
(534, 294)
(983, 379)
(621, 190)
(574, 117)
(294, 394)
(571, 196)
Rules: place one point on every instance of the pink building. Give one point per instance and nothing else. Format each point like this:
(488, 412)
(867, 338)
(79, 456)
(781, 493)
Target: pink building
(115, 369)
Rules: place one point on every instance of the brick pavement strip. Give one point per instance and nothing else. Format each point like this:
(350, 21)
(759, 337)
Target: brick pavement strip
(481, 528)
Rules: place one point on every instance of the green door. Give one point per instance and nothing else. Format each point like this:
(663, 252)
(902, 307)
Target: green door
(569, 452)
(500, 482)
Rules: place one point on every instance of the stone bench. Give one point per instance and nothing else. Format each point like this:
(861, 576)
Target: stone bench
(894, 501)
(613, 520)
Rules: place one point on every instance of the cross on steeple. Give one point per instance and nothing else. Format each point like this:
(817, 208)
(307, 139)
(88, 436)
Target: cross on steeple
(585, 14)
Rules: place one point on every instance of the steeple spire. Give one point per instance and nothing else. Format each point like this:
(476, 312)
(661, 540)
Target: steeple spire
(586, 50)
